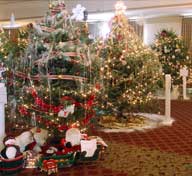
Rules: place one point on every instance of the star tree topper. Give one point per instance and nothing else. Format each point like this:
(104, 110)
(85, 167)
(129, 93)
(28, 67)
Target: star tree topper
(120, 8)
(78, 12)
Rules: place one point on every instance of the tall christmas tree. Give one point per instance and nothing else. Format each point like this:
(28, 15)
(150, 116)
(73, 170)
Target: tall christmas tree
(54, 80)
(173, 54)
(130, 70)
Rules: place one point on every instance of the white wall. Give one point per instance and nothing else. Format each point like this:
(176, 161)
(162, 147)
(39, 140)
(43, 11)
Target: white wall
(23, 9)
(155, 25)
(99, 29)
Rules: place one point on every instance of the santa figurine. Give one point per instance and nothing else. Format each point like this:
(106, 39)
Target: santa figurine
(11, 150)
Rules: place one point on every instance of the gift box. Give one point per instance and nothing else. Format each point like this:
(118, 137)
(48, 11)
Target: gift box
(62, 160)
(31, 159)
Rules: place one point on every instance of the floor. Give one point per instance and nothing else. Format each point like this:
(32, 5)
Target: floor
(175, 139)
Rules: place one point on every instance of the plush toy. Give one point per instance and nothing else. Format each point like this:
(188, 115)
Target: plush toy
(24, 139)
(40, 136)
(73, 135)
(67, 148)
(11, 150)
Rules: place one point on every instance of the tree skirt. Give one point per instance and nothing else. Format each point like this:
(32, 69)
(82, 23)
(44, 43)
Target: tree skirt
(139, 121)
(140, 161)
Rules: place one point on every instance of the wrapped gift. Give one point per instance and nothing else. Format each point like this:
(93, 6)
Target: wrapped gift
(31, 159)
(50, 166)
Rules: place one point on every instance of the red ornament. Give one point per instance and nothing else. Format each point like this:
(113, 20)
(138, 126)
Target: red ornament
(23, 110)
(97, 86)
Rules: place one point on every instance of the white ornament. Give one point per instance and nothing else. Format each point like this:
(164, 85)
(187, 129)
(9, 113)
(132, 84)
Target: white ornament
(68, 110)
(73, 135)
(89, 146)
(78, 13)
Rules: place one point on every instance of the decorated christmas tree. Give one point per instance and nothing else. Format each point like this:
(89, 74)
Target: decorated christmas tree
(11, 47)
(54, 81)
(130, 70)
(173, 54)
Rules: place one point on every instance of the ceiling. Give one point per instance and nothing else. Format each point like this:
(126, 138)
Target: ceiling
(98, 10)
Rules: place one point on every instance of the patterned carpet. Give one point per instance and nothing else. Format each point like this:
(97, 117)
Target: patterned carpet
(166, 151)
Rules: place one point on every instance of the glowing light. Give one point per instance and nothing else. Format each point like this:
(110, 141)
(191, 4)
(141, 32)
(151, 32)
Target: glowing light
(120, 8)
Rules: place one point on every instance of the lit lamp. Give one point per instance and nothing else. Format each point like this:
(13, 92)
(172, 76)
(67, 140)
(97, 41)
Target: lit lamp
(12, 29)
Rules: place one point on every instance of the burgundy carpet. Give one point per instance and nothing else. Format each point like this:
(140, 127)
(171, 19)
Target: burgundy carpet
(176, 139)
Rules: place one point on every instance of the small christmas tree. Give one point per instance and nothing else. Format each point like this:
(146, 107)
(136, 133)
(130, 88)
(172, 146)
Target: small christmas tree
(130, 70)
(54, 80)
(10, 49)
(173, 54)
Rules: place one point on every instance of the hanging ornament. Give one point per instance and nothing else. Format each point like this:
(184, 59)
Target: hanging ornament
(68, 110)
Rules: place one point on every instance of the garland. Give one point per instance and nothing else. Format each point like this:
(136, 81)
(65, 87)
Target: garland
(52, 77)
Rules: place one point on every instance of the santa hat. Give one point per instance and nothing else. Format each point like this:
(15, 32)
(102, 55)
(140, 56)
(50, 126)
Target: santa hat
(9, 140)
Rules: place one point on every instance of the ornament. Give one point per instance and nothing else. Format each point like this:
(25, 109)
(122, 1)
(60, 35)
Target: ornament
(68, 110)
(78, 13)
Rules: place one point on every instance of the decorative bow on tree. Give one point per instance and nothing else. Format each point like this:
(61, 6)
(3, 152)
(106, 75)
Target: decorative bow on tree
(78, 12)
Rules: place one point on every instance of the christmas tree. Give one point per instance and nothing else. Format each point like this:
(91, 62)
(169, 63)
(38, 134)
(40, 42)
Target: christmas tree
(173, 54)
(12, 48)
(130, 70)
(54, 80)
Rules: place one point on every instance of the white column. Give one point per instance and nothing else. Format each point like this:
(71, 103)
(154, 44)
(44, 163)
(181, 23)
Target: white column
(3, 101)
(168, 96)
(184, 88)
(184, 73)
